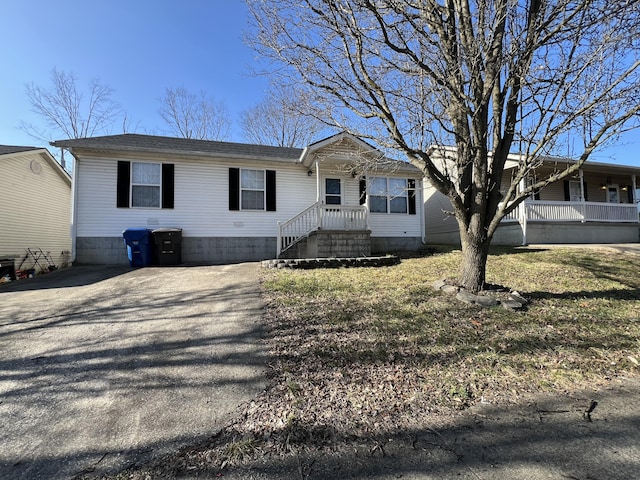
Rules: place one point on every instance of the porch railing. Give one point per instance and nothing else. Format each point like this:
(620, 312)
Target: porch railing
(575, 212)
(318, 216)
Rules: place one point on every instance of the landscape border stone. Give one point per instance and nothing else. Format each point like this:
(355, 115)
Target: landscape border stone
(513, 301)
(333, 262)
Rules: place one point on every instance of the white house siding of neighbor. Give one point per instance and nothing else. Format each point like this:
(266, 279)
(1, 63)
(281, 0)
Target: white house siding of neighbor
(237, 202)
(35, 212)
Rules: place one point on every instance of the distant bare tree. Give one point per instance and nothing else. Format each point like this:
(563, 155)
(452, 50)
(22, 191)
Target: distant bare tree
(67, 112)
(192, 116)
(280, 120)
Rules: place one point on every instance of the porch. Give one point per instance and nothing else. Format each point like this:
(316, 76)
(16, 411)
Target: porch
(538, 221)
(558, 211)
(347, 219)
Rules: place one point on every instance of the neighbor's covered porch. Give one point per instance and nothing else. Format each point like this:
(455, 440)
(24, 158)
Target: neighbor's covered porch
(599, 193)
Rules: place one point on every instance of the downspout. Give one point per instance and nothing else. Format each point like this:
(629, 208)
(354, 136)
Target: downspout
(73, 230)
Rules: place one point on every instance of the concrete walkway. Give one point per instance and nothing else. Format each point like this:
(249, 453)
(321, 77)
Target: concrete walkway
(103, 367)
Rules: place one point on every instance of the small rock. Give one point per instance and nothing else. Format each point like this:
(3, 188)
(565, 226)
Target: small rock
(486, 301)
(516, 297)
(450, 289)
(467, 297)
(512, 304)
(438, 284)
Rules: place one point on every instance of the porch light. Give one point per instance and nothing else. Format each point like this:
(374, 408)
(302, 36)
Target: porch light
(309, 173)
(603, 186)
(624, 188)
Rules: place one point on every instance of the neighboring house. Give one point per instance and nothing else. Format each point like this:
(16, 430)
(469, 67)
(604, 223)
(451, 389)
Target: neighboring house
(597, 205)
(35, 208)
(237, 202)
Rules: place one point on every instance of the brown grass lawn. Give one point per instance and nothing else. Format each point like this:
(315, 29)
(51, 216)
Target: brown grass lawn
(360, 353)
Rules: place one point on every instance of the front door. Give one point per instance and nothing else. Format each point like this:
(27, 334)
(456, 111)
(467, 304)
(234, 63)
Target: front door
(613, 195)
(332, 191)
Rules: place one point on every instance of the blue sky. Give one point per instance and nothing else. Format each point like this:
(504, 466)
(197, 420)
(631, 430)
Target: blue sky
(140, 48)
(137, 47)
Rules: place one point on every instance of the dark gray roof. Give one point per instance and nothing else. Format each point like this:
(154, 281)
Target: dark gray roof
(152, 143)
(6, 149)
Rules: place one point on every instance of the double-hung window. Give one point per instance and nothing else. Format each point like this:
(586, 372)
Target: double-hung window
(252, 189)
(145, 184)
(388, 195)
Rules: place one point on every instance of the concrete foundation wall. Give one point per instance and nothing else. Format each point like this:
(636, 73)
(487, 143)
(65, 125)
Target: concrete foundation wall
(384, 245)
(211, 250)
(554, 232)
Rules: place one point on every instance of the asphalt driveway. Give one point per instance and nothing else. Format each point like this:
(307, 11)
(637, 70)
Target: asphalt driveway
(102, 367)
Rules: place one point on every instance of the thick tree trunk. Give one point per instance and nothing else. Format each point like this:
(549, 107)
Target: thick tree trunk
(475, 250)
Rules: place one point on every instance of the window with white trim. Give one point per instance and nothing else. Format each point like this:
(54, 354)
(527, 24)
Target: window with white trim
(252, 189)
(146, 181)
(388, 195)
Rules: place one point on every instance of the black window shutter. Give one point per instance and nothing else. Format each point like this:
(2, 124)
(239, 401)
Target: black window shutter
(234, 189)
(122, 188)
(271, 190)
(411, 183)
(363, 191)
(584, 189)
(630, 193)
(567, 195)
(167, 185)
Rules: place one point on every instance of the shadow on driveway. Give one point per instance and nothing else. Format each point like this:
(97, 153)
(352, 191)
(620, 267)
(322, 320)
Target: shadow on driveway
(114, 366)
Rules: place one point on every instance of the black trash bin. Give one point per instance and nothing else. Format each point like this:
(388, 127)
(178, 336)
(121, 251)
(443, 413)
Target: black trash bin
(139, 246)
(168, 246)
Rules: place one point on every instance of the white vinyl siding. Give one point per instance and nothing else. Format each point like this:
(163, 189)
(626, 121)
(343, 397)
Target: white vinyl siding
(201, 192)
(36, 211)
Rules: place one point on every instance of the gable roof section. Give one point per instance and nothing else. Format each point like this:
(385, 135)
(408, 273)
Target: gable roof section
(132, 142)
(309, 153)
(7, 149)
(44, 154)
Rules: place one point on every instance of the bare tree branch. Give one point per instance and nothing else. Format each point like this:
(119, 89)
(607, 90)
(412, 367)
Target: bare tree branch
(64, 110)
(280, 120)
(486, 77)
(191, 116)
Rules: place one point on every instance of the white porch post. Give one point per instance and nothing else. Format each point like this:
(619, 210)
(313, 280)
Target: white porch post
(318, 194)
(634, 185)
(583, 207)
(522, 213)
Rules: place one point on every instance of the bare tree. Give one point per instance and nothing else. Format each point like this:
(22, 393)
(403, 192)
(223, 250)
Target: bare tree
(487, 77)
(66, 110)
(192, 116)
(280, 120)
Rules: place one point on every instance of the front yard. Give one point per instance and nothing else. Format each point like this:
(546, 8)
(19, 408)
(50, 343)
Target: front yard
(363, 354)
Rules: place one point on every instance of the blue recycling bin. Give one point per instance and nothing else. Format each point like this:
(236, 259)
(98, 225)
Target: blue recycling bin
(139, 246)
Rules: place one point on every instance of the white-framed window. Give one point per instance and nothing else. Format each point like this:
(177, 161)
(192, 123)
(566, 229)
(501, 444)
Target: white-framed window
(575, 191)
(146, 184)
(332, 191)
(388, 195)
(252, 189)
(613, 194)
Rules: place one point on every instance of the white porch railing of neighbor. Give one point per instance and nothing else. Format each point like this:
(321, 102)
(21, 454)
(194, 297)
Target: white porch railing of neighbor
(317, 216)
(575, 212)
